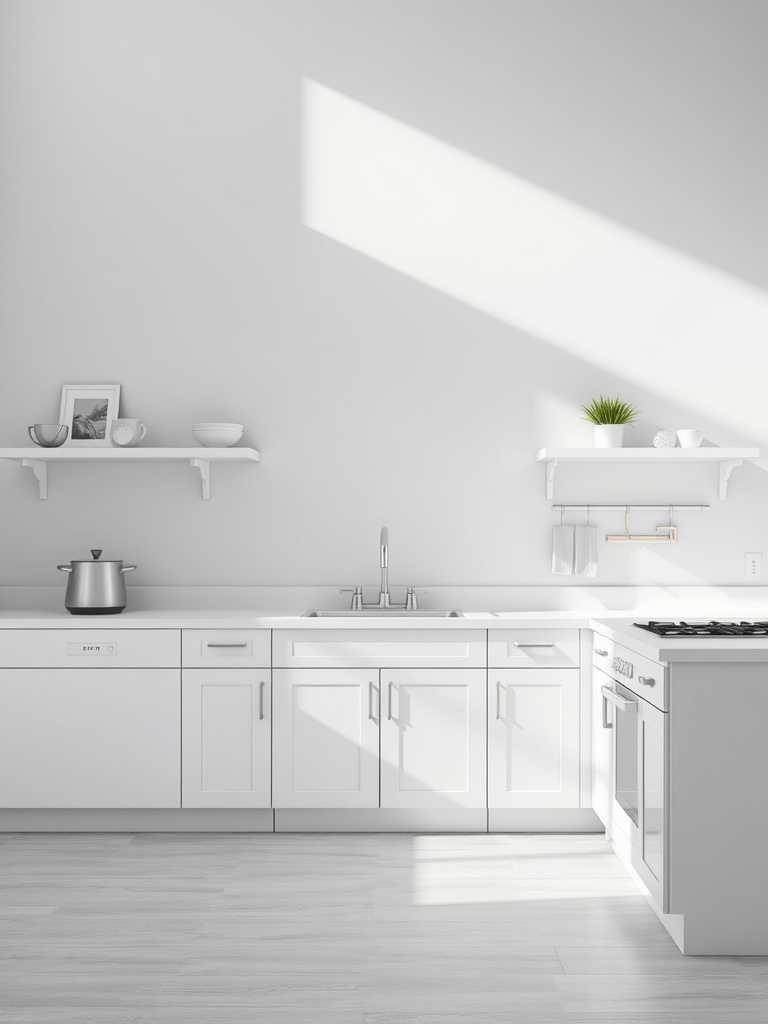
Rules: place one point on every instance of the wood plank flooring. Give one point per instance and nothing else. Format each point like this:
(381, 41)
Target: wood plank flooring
(345, 929)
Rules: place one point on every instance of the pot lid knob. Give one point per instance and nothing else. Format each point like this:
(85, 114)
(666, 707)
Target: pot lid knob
(96, 552)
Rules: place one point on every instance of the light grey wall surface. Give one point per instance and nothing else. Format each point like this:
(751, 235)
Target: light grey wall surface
(155, 231)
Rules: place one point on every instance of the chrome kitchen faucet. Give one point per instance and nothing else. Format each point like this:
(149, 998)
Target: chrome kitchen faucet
(384, 601)
(384, 562)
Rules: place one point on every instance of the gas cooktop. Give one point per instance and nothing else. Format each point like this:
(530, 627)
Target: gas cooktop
(704, 629)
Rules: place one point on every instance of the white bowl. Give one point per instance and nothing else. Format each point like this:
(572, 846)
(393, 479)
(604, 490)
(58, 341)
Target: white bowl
(217, 435)
(690, 438)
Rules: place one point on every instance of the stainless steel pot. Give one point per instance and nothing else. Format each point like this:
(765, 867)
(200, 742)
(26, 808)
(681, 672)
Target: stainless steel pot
(95, 588)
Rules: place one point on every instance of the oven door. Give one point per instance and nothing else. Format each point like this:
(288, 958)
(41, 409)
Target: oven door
(625, 722)
(639, 803)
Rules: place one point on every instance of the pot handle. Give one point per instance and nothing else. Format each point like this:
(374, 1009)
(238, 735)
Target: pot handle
(64, 568)
(127, 568)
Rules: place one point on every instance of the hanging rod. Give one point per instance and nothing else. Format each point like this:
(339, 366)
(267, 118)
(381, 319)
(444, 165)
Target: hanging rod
(632, 508)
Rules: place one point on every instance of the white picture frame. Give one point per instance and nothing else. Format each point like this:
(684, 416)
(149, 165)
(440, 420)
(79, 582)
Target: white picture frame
(89, 409)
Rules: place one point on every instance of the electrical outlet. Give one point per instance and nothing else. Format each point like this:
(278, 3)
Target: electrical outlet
(753, 565)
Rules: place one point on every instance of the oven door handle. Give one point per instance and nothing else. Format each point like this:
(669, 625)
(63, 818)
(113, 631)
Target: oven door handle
(631, 706)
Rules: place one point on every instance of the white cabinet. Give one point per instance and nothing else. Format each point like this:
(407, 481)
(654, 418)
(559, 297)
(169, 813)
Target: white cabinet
(98, 737)
(433, 738)
(326, 738)
(533, 737)
(330, 724)
(226, 737)
(226, 718)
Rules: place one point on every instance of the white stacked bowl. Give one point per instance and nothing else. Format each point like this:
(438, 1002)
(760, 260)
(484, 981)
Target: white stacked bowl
(217, 435)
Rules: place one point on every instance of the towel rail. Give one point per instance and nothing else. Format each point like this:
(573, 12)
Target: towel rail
(632, 508)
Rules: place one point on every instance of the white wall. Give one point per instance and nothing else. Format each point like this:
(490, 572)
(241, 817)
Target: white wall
(185, 210)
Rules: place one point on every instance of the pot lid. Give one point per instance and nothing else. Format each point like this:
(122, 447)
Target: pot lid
(96, 553)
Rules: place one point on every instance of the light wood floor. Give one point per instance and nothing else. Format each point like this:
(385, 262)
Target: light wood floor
(381, 929)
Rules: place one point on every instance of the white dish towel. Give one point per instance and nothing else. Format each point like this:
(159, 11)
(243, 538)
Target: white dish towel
(562, 550)
(585, 551)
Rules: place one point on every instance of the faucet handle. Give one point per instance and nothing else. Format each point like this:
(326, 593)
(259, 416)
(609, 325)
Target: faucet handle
(357, 596)
(411, 604)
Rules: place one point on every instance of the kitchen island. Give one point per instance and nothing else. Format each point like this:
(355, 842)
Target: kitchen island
(680, 762)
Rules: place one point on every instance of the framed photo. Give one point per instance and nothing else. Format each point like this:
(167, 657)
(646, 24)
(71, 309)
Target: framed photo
(88, 410)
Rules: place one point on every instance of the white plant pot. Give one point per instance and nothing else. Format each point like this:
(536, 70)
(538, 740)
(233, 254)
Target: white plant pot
(609, 435)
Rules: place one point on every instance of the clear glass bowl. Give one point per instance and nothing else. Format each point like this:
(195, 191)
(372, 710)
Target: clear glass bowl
(48, 435)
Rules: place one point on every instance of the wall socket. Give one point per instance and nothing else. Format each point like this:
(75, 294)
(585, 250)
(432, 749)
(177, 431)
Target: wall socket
(753, 565)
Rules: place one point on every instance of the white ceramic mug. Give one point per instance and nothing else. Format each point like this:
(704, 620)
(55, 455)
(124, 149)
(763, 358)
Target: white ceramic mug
(127, 433)
(690, 438)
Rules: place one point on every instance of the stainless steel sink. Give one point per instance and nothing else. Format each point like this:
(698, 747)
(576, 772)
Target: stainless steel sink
(384, 613)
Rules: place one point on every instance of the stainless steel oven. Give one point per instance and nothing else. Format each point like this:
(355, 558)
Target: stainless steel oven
(633, 693)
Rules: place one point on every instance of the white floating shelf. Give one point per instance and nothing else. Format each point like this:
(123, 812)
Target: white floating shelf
(200, 458)
(726, 458)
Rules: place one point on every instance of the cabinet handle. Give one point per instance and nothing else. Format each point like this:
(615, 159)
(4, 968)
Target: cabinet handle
(498, 700)
(550, 644)
(389, 701)
(261, 700)
(630, 706)
(601, 654)
(606, 723)
(226, 645)
(371, 688)
(646, 680)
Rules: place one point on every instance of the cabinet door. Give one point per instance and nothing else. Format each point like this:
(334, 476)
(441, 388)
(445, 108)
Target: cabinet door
(325, 736)
(90, 738)
(433, 738)
(226, 737)
(602, 750)
(533, 738)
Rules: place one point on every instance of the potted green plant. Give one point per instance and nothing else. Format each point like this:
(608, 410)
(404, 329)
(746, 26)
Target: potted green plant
(609, 416)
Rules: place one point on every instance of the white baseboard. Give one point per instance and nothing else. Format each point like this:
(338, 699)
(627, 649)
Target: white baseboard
(104, 820)
(380, 820)
(576, 819)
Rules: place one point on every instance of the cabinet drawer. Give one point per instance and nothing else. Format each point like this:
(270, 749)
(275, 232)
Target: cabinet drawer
(533, 648)
(360, 648)
(218, 648)
(89, 648)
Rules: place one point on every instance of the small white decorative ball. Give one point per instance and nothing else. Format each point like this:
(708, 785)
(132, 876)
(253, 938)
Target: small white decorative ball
(663, 439)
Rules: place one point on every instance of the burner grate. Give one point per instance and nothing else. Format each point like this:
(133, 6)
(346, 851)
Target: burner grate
(705, 629)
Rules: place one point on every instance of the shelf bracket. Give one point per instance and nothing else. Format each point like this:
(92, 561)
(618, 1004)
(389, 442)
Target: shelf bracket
(551, 467)
(205, 475)
(40, 469)
(726, 468)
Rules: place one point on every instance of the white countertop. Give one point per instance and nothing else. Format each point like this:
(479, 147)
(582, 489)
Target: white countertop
(610, 610)
(223, 618)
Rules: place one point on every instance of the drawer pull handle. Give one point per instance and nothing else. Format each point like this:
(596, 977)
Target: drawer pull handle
(601, 654)
(646, 680)
(261, 701)
(549, 644)
(226, 645)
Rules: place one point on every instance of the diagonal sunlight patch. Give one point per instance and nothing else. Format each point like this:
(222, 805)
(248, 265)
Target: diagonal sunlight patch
(514, 869)
(545, 265)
